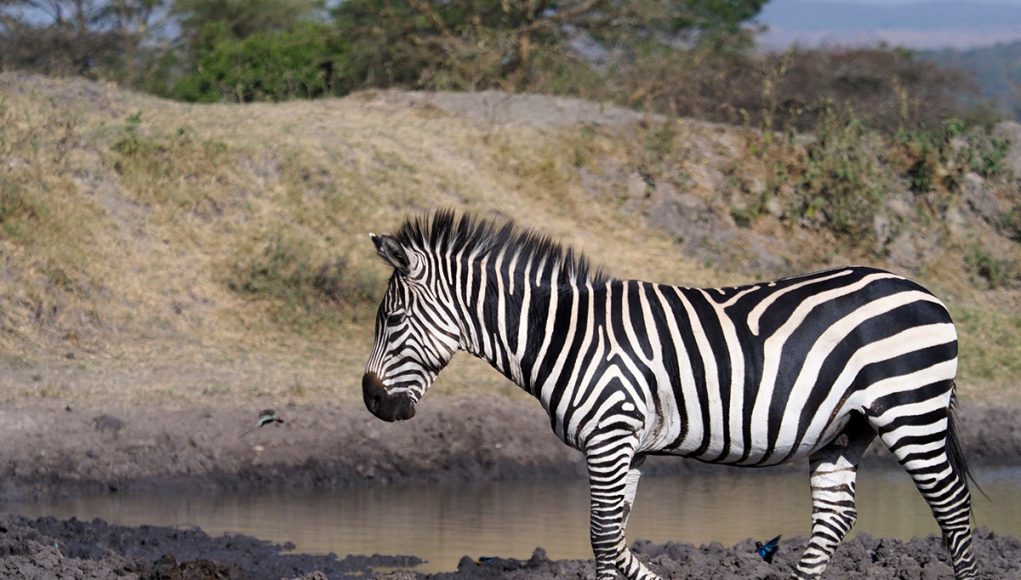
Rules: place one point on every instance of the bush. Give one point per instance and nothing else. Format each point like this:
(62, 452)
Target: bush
(843, 183)
(302, 280)
(995, 272)
(302, 62)
(886, 89)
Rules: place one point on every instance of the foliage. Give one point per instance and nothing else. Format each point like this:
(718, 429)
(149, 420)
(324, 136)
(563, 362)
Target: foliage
(477, 44)
(1011, 223)
(843, 184)
(242, 18)
(887, 89)
(86, 37)
(266, 66)
(936, 160)
(291, 271)
(985, 268)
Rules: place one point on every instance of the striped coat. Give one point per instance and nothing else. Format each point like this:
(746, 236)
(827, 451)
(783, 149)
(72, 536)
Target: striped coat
(813, 366)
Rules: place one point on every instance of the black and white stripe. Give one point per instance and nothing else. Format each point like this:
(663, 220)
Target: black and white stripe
(812, 366)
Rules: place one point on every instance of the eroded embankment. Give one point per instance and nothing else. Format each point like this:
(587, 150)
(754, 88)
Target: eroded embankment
(62, 451)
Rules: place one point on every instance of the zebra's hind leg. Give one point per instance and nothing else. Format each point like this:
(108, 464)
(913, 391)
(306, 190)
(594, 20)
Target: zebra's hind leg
(833, 471)
(925, 444)
(613, 481)
(631, 487)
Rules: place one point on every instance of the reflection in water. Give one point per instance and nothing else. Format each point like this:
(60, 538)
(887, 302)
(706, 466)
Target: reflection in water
(443, 523)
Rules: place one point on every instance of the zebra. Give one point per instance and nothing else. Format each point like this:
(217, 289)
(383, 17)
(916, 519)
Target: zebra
(811, 366)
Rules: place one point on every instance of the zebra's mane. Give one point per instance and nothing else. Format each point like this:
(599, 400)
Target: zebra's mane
(445, 233)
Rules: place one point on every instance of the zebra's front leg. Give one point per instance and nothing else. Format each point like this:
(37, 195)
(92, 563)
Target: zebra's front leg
(613, 481)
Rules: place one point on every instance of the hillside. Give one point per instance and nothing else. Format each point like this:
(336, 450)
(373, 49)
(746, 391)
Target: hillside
(173, 255)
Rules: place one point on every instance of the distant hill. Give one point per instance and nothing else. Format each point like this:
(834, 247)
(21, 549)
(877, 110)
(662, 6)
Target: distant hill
(997, 71)
(921, 25)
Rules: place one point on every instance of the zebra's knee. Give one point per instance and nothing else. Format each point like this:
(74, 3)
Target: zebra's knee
(847, 516)
(626, 513)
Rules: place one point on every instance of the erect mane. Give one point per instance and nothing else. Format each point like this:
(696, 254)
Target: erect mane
(445, 233)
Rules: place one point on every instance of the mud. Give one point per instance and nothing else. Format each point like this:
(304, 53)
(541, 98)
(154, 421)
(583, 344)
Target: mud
(861, 557)
(48, 548)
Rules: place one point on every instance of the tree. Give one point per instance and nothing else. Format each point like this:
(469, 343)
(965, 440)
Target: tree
(240, 19)
(88, 37)
(413, 42)
(265, 66)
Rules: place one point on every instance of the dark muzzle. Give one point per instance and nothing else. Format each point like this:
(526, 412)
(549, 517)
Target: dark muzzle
(382, 404)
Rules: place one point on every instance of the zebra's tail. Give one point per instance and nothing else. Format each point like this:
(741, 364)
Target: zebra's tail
(955, 450)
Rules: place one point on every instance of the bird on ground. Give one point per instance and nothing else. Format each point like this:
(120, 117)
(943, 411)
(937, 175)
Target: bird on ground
(266, 417)
(768, 550)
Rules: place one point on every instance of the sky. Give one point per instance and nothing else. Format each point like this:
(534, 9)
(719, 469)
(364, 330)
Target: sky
(888, 3)
(920, 24)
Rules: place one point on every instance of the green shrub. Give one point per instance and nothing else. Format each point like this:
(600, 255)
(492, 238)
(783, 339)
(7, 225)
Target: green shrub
(995, 272)
(843, 184)
(1010, 223)
(937, 160)
(301, 62)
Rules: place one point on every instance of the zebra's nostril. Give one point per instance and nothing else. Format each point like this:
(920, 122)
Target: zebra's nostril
(374, 393)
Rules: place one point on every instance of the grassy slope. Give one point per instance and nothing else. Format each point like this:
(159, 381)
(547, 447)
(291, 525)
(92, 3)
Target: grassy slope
(154, 252)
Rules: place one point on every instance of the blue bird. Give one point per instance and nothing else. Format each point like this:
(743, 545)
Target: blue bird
(768, 550)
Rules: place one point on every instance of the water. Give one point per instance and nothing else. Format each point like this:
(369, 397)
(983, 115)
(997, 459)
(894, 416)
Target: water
(443, 523)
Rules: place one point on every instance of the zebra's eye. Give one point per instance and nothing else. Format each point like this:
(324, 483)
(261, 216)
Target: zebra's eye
(395, 318)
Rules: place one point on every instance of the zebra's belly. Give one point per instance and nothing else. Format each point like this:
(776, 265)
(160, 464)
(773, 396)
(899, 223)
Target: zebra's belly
(759, 450)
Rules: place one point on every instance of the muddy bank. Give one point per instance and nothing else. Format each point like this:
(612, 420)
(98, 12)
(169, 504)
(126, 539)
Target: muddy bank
(861, 557)
(46, 547)
(63, 451)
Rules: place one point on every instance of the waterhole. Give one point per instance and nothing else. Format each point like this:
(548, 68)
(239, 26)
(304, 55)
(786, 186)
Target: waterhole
(442, 523)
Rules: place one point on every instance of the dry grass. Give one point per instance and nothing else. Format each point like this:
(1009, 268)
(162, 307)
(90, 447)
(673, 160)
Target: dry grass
(216, 254)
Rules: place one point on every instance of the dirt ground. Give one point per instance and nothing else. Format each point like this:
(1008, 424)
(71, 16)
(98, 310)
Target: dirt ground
(60, 450)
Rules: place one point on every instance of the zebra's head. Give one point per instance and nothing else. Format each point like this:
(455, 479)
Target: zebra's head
(416, 333)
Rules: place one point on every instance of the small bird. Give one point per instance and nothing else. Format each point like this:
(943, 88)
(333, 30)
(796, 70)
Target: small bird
(768, 550)
(266, 417)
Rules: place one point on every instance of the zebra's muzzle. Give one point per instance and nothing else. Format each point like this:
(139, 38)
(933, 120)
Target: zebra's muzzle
(382, 404)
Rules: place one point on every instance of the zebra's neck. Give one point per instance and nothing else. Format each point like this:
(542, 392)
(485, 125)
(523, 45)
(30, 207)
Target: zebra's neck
(507, 313)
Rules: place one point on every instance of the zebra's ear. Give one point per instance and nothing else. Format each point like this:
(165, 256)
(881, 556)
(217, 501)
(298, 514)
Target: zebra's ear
(391, 251)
